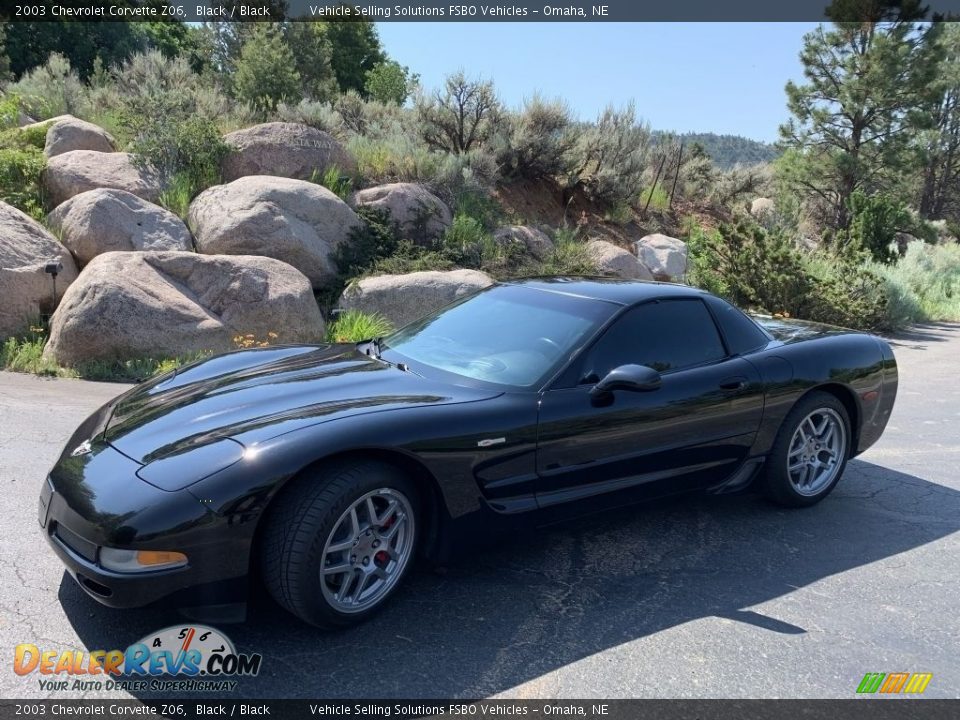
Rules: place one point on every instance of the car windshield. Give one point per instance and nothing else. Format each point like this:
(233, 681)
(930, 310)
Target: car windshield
(507, 335)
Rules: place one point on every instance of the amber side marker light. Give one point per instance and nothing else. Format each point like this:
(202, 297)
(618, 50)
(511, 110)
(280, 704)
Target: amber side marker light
(140, 560)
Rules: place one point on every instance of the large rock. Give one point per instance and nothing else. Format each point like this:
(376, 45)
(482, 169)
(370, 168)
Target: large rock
(421, 215)
(164, 304)
(295, 221)
(664, 256)
(25, 289)
(69, 133)
(536, 242)
(401, 299)
(283, 149)
(613, 260)
(105, 220)
(762, 208)
(77, 171)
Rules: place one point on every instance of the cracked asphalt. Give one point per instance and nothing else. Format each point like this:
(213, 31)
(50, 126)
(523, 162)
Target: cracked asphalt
(696, 597)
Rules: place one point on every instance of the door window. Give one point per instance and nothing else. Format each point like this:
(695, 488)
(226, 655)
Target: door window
(665, 335)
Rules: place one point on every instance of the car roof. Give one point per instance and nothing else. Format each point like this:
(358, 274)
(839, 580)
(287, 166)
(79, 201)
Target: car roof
(615, 290)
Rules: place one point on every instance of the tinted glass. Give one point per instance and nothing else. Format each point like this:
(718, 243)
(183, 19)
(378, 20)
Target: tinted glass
(741, 333)
(505, 335)
(666, 335)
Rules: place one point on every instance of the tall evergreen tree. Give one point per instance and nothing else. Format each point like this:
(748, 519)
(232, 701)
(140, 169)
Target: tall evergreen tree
(266, 71)
(356, 51)
(868, 79)
(939, 146)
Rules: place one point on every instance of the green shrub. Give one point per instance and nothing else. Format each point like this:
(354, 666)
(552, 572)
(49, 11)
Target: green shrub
(189, 147)
(390, 82)
(9, 110)
(536, 142)
(133, 370)
(50, 89)
(21, 167)
(319, 115)
(568, 257)
(461, 116)
(178, 194)
(354, 326)
(875, 221)
(654, 198)
(376, 239)
(765, 271)
(611, 156)
(25, 354)
(333, 180)
(925, 283)
(266, 73)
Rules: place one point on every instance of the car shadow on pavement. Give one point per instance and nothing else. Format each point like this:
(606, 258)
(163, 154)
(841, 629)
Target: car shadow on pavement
(507, 615)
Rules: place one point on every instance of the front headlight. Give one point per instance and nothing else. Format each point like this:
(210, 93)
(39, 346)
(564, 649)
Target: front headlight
(134, 561)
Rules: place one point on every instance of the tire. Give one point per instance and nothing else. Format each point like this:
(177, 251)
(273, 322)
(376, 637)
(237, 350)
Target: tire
(304, 570)
(784, 480)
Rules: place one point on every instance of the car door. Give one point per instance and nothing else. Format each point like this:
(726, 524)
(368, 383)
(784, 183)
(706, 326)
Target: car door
(695, 428)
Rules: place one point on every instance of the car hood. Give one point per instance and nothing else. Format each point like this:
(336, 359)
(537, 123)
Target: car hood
(257, 394)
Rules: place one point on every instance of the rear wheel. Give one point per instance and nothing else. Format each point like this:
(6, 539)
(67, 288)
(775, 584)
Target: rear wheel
(810, 452)
(339, 542)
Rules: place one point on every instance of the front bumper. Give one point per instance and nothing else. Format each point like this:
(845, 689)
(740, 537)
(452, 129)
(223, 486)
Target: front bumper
(96, 501)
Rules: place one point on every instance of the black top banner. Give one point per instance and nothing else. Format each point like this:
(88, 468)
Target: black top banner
(452, 11)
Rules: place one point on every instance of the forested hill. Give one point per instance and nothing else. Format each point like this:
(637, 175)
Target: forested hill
(729, 150)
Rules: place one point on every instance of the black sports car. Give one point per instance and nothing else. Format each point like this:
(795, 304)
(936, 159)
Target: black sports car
(324, 470)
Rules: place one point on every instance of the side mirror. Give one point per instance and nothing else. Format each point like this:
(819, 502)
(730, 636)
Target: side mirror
(635, 378)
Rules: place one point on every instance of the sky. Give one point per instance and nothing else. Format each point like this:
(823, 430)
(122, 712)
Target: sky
(685, 77)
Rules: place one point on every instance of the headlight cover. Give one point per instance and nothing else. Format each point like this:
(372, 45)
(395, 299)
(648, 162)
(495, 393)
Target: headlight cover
(138, 561)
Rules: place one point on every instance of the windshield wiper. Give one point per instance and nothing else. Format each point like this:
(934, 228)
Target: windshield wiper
(376, 346)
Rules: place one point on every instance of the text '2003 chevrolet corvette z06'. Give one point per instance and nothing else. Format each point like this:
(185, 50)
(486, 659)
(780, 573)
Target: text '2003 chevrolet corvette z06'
(323, 471)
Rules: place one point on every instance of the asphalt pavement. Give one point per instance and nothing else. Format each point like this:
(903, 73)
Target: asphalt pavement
(696, 597)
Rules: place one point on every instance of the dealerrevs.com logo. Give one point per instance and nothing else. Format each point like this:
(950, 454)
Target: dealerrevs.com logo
(894, 683)
(177, 658)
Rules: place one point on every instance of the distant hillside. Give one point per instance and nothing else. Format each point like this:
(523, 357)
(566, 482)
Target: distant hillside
(728, 150)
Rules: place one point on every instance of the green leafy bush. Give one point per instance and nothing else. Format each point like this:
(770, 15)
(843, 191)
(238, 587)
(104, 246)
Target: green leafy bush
(51, 89)
(21, 166)
(459, 117)
(611, 156)
(925, 283)
(766, 271)
(390, 82)
(536, 142)
(266, 73)
(333, 180)
(24, 353)
(354, 326)
(875, 221)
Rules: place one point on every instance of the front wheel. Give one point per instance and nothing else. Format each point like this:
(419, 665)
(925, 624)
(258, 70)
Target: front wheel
(810, 452)
(338, 542)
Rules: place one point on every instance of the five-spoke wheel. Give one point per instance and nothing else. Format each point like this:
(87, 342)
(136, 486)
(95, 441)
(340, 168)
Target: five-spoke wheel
(367, 550)
(338, 541)
(810, 451)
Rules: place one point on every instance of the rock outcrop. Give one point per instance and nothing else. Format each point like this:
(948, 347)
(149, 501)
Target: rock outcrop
(401, 299)
(107, 220)
(298, 222)
(164, 304)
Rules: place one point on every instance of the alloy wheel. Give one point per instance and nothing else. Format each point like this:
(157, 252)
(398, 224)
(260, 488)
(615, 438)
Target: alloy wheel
(817, 451)
(367, 550)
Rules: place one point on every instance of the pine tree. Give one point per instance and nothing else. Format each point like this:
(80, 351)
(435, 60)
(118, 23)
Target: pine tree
(266, 70)
(867, 83)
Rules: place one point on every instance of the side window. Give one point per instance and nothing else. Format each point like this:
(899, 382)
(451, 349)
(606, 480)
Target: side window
(741, 333)
(665, 335)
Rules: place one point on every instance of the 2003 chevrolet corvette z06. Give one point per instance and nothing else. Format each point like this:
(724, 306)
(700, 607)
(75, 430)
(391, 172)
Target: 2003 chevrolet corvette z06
(322, 471)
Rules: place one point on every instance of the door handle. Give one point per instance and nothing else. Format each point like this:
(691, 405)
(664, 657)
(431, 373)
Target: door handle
(733, 383)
